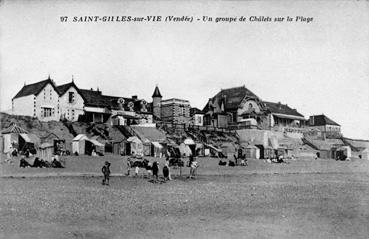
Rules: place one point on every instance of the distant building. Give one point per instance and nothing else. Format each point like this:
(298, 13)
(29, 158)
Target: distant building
(197, 117)
(175, 111)
(239, 106)
(126, 111)
(39, 100)
(323, 123)
(171, 110)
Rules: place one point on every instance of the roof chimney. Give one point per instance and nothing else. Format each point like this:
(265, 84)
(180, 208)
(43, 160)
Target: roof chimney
(134, 97)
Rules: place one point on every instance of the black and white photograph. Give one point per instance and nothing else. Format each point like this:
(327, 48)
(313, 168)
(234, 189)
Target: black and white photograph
(184, 119)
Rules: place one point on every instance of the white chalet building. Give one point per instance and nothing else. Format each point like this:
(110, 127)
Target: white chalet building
(39, 100)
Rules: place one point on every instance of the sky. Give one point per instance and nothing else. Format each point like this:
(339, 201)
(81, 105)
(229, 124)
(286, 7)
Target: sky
(321, 66)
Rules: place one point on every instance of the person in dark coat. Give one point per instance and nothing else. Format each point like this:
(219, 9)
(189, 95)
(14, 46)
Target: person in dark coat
(155, 170)
(37, 163)
(106, 172)
(166, 172)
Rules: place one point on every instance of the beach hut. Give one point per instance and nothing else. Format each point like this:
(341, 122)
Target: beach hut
(136, 145)
(119, 147)
(252, 152)
(81, 145)
(344, 152)
(269, 152)
(99, 147)
(46, 151)
(11, 137)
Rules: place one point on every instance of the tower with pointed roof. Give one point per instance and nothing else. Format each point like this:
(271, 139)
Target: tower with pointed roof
(156, 99)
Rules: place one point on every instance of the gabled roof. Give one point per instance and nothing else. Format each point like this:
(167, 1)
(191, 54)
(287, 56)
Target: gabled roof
(63, 88)
(279, 108)
(195, 110)
(14, 128)
(231, 97)
(156, 92)
(320, 120)
(35, 88)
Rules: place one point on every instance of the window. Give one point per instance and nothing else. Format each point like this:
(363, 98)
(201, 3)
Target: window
(71, 97)
(47, 112)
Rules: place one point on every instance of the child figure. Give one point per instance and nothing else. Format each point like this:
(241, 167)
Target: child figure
(136, 171)
(106, 171)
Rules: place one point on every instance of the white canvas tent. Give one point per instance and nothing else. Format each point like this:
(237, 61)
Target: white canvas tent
(79, 144)
(189, 141)
(158, 148)
(185, 150)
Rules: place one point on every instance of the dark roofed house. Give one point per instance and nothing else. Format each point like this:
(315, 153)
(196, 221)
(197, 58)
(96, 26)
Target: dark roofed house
(281, 115)
(239, 106)
(35, 88)
(325, 124)
(230, 106)
(99, 108)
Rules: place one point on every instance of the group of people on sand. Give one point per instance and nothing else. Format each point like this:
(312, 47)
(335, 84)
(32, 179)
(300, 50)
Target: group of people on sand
(40, 163)
(152, 169)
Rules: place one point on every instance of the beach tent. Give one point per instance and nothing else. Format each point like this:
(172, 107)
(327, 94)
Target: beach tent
(189, 141)
(136, 145)
(46, 151)
(185, 149)
(365, 154)
(157, 149)
(81, 144)
(173, 150)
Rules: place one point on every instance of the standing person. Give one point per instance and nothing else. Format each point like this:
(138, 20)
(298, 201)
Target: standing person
(106, 171)
(155, 170)
(128, 166)
(166, 172)
(193, 168)
(167, 165)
